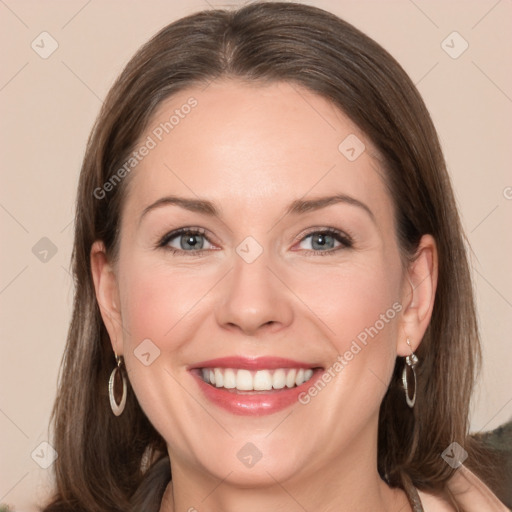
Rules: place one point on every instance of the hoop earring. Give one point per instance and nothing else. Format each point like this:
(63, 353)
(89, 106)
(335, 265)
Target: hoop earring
(411, 362)
(117, 409)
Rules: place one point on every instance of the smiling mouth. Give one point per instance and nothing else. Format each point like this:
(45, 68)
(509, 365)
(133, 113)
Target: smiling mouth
(260, 380)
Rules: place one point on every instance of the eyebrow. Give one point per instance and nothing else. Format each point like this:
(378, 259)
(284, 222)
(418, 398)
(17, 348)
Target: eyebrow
(298, 206)
(302, 206)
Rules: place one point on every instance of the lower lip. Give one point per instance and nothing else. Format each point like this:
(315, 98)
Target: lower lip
(255, 403)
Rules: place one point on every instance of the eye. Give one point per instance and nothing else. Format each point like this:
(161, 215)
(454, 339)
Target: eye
(185, 240)
(194, 240)
(325, 241)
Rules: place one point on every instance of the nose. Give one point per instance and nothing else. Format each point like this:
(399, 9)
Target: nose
(253, 298)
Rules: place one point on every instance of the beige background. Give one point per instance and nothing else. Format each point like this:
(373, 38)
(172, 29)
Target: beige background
(48, 107)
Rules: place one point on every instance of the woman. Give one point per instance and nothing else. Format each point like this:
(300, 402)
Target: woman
(273, 302)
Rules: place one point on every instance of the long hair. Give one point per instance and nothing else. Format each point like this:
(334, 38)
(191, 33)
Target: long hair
(109, 463)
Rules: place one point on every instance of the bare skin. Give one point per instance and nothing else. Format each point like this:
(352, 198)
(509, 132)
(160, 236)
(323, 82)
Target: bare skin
(253, 150)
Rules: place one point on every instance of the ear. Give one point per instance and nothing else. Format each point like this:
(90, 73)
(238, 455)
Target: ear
(107, 295)
(418, 294)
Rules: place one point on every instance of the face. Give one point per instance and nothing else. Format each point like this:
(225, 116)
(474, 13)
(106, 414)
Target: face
(258, 253)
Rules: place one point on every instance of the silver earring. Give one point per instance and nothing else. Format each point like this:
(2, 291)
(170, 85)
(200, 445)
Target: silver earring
(411, 362)
(117, 409)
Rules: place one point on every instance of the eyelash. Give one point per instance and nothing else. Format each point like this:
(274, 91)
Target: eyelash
(344, 239)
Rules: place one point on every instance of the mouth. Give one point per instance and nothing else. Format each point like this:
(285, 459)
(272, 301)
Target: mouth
(254, 386)
(239, 379)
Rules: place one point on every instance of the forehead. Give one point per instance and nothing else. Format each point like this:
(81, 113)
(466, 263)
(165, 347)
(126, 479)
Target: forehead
(253, 146)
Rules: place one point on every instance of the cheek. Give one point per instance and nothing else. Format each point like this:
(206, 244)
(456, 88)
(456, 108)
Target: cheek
(158, 322)
(356, 306)
(155, 299)
(153, 303)
(354, 301)
(163, 307)
(360, 307)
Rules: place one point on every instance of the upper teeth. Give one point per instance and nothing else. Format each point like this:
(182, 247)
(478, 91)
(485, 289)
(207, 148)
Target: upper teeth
(246, 380)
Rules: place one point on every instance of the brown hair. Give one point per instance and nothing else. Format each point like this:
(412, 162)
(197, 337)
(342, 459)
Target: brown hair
(109, 463)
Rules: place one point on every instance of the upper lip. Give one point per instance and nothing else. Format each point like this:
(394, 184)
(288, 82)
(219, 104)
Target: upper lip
(255, 363)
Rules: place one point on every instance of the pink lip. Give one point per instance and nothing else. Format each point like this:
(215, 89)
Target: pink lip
(253, 403)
